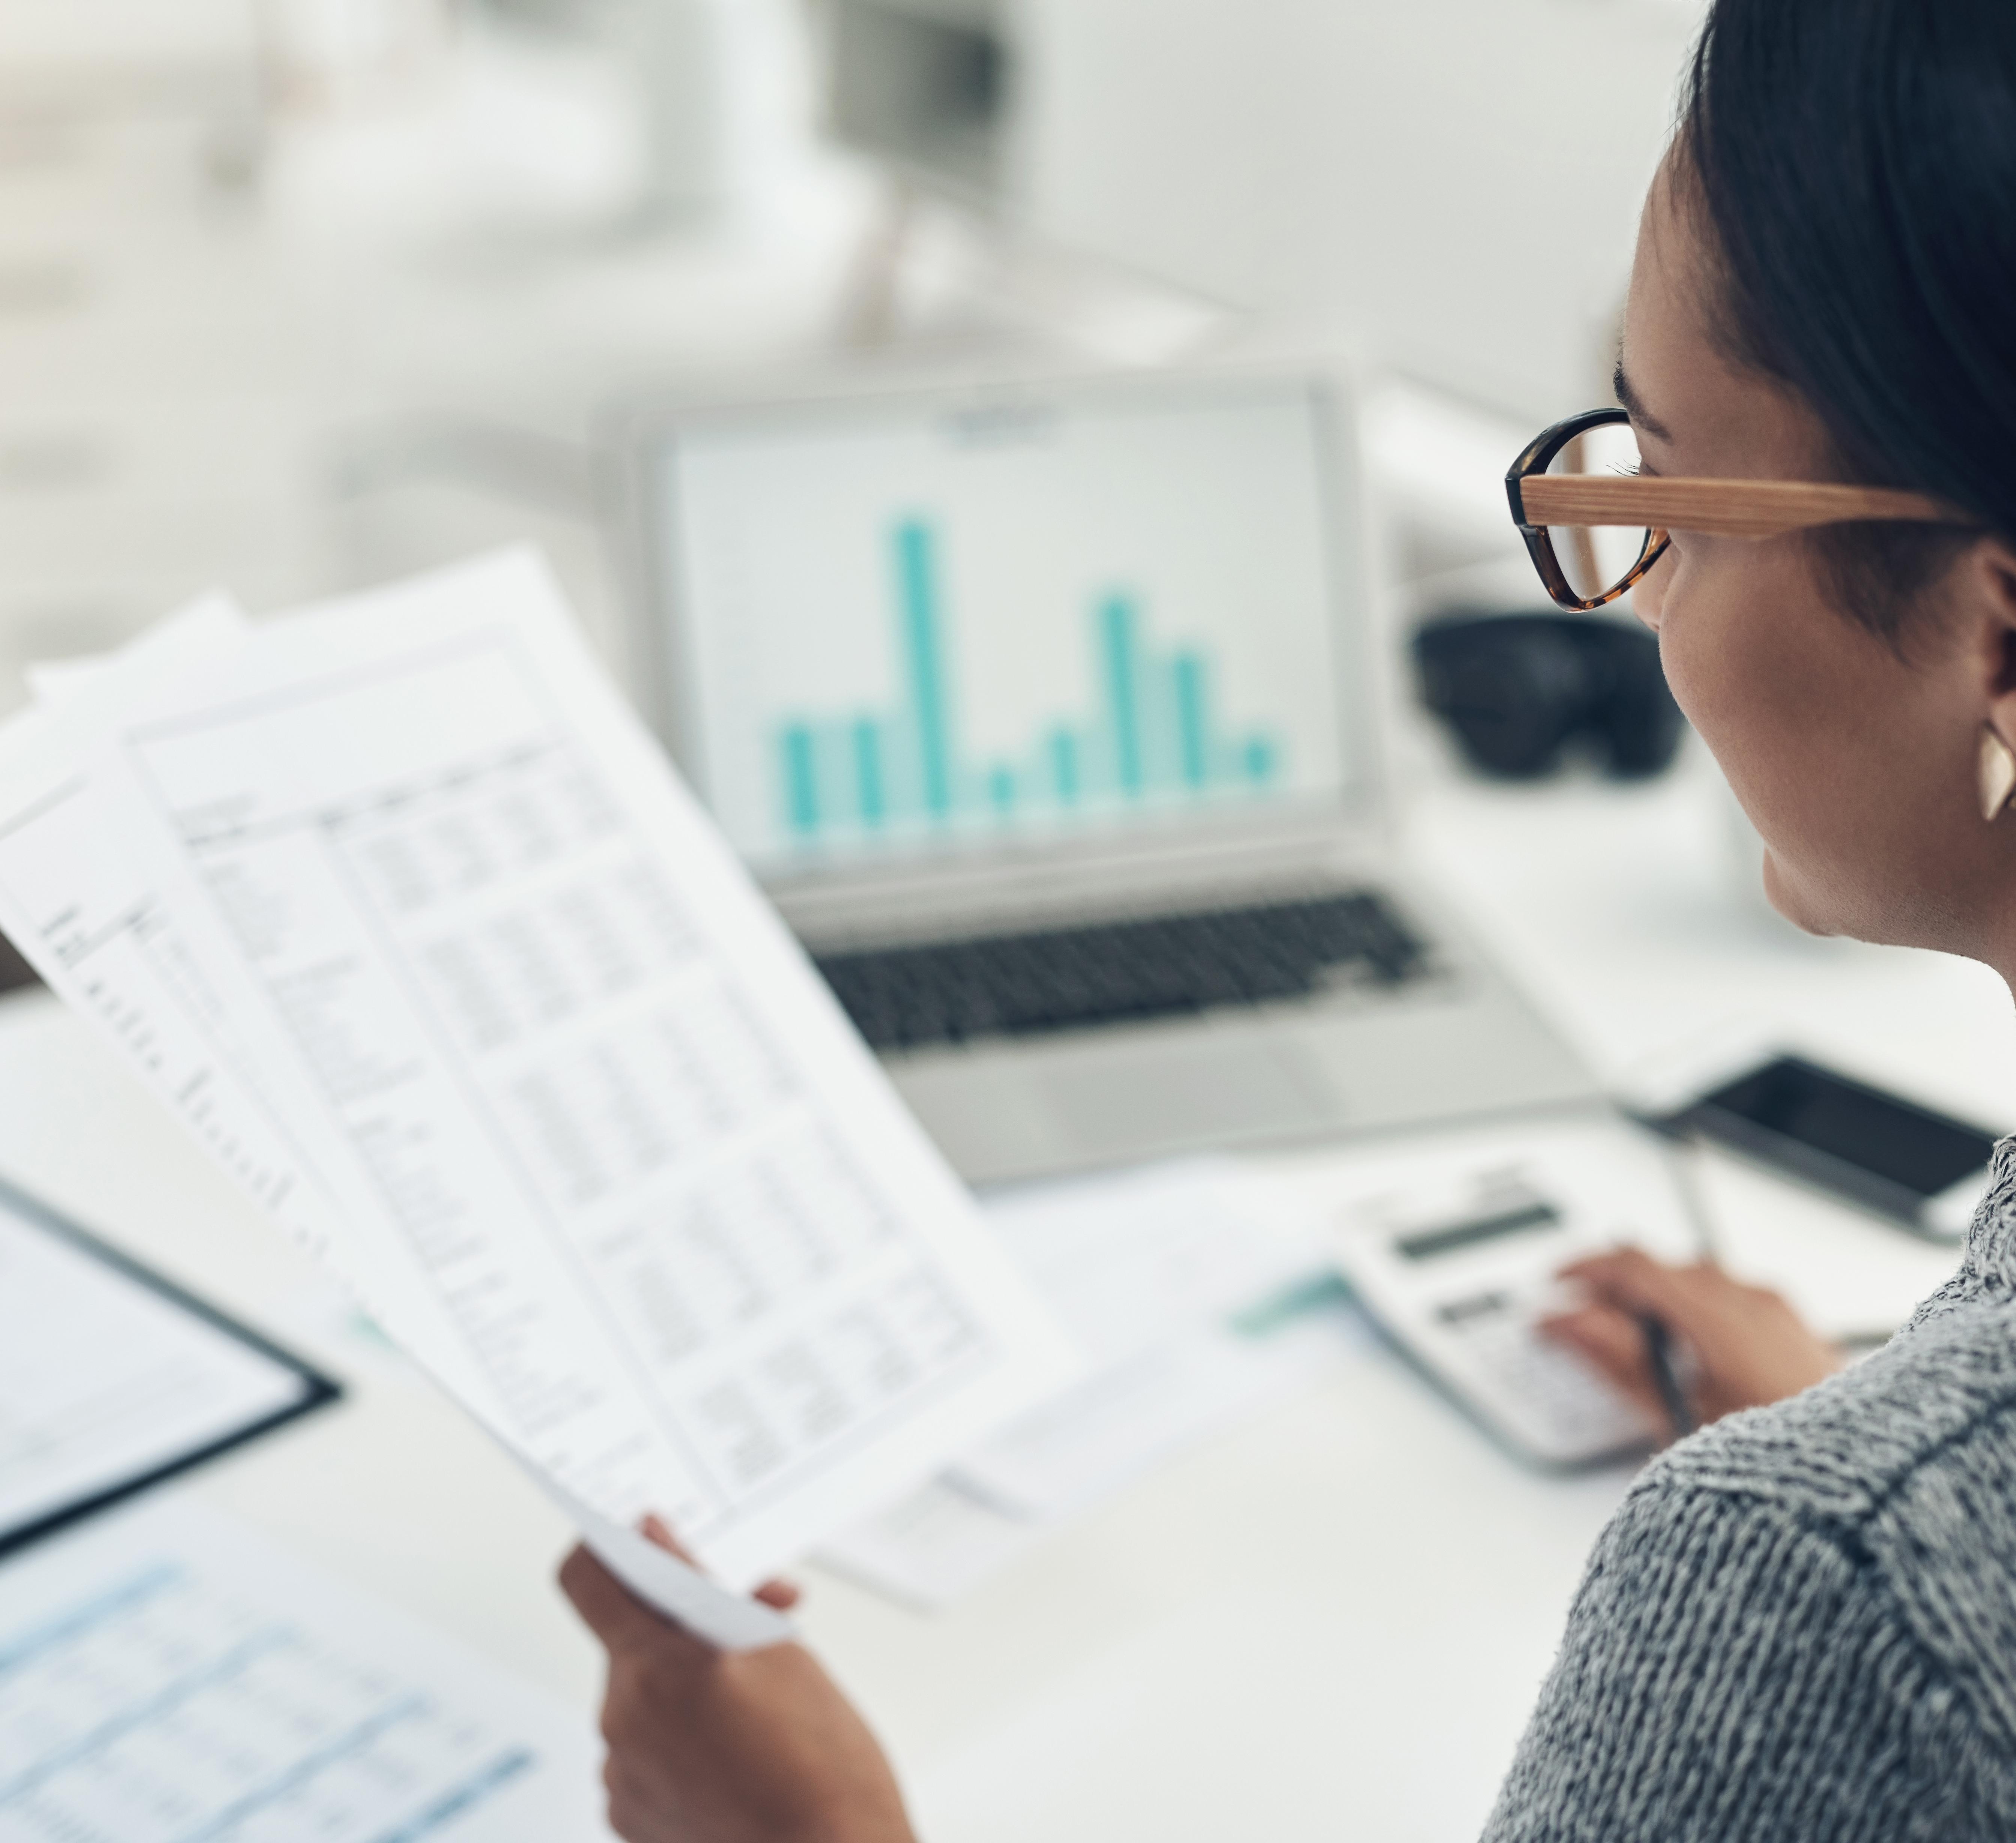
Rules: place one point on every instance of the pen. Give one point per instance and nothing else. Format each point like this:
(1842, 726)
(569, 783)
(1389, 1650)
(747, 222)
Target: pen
(1659, 1351)
(1684, 1152)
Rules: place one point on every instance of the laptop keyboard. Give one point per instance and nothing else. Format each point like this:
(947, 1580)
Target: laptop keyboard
(1052, 979)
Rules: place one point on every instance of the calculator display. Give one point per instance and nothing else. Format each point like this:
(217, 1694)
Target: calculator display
(1446, 1238)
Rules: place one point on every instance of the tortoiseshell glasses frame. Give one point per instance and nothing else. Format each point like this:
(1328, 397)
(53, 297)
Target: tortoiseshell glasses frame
(1542, 502)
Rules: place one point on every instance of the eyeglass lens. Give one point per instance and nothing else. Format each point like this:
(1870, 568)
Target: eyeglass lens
(1597, 558)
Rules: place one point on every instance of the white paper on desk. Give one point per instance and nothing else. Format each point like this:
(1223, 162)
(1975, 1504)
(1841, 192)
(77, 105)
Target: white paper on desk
(1197, 1291)
(602, 1152)
(1148, 1270)
(933, 1546)
(166, 1672)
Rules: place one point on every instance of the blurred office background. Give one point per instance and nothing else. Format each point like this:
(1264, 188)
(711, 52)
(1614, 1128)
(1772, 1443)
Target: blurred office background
(297, 295)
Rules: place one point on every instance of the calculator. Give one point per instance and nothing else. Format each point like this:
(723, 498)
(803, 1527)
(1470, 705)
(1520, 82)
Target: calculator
(1455, 1247)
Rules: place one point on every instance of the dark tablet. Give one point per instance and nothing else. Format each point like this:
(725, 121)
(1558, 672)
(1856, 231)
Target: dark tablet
(112, 1379)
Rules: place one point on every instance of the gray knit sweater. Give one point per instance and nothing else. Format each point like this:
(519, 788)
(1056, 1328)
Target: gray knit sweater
(1801, 1623)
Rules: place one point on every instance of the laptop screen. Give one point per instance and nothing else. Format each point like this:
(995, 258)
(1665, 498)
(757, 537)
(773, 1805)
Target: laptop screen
(924, 625)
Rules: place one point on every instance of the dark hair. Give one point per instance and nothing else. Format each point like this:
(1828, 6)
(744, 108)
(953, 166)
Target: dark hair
(1856, 160)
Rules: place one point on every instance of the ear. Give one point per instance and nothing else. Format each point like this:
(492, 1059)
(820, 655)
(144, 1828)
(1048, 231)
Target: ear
(1986, 583)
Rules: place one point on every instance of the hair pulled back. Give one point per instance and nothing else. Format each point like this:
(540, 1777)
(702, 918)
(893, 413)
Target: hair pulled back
(1857, 159)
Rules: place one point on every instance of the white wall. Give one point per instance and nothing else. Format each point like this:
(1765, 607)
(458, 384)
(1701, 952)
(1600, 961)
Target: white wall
(57, 37)
(1453, 182)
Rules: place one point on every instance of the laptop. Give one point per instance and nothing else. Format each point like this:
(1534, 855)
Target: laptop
(1043, 712)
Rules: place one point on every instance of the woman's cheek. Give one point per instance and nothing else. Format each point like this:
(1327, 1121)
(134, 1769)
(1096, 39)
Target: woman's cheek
(1676, 615)
(1648, 599)
(1702, 646)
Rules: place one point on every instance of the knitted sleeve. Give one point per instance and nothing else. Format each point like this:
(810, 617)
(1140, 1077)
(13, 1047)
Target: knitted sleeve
(1734, 1672)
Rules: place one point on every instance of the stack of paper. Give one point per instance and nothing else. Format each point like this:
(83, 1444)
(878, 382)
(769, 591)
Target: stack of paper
(397, 907)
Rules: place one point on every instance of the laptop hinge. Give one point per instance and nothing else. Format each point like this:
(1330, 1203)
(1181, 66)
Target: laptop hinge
(899, 905)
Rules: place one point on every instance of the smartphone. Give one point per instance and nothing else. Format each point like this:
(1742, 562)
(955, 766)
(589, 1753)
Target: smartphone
(1915, 1166)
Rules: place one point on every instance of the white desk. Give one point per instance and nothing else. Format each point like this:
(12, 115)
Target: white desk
(1329, 1623)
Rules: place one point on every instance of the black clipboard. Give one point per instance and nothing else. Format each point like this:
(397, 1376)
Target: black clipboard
(312, 1390)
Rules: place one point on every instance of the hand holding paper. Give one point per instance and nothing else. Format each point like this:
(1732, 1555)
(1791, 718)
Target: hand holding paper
(397, 906)
(673, 1585)
(761, 1749)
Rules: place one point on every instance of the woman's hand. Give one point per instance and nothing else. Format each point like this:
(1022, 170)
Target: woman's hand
(1746, 1346)
(727, 1747)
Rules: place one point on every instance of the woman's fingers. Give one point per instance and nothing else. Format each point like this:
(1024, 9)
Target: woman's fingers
(1613, 1343)
(1693, 1300)
(1746, 1345)
(782, 1595)
(1627, 1277)
(657, 1530)
(607, 1607)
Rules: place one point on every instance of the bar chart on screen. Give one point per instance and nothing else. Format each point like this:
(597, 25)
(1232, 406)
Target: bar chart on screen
(907, 623)
(1156, 735)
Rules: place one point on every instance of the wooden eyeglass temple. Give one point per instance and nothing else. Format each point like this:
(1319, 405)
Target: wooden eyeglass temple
(1718, 508)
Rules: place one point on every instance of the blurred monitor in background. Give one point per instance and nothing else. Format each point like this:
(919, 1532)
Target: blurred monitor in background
(925, 85)
(1451, 185)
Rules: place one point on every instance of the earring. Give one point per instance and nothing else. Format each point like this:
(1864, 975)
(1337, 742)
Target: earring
(1997, 773)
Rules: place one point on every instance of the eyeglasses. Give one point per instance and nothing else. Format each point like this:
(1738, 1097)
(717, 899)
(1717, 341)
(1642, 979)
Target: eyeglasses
(1595, 525)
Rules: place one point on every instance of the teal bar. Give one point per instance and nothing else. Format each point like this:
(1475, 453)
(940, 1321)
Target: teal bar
(917, 578)
(903, 783)
(1191, 719)
(801, 779)
(867, 771)
(1116, 625)
(833, 779)
(1156, 732)
(1063, 765)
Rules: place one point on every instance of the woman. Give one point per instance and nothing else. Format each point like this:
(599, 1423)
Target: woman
(1801, 1624)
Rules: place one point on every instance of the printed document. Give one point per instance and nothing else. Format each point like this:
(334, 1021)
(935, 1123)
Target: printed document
(167, 1674)
(398, 906)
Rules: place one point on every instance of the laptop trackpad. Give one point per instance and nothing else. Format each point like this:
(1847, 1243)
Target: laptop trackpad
(1144, 1098)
